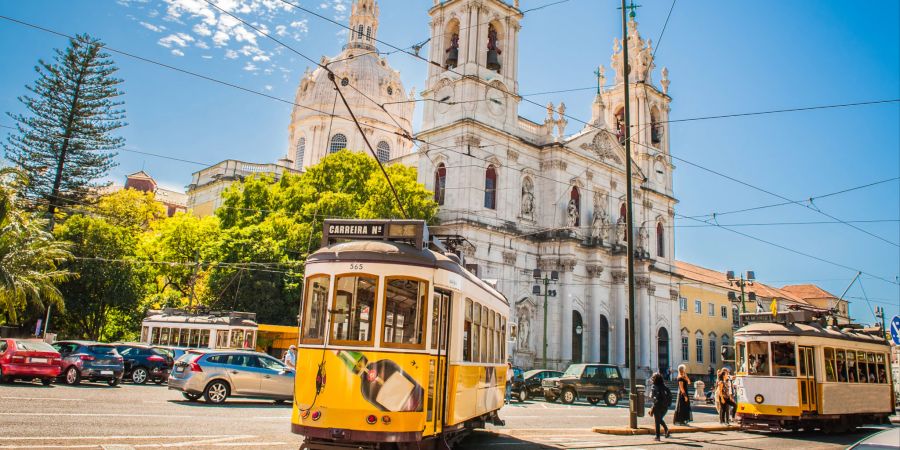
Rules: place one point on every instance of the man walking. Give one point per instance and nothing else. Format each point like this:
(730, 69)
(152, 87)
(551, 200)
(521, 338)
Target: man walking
(290, 357)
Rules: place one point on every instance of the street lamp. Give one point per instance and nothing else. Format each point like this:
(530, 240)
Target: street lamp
(547, 292)
(742, 281)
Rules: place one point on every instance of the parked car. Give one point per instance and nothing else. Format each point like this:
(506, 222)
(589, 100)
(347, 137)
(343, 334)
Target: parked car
(591, 381)
(529, 383)
(172, 352)
(883, 440)
(27, 359)
(219, 374)
(143, 363)
(92, 361)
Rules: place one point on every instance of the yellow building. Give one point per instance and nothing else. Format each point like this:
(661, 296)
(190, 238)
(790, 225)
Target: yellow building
(204, 194)
(276, 339)
(707, 318)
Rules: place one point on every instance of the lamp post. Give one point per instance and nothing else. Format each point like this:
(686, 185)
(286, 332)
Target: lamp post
(547, 292)
(748, 281)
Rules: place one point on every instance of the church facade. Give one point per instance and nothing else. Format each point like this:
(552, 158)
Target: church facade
(522, 195)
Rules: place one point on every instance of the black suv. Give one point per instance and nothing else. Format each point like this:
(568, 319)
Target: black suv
(529, 384)
(591, 381)
(143, 363)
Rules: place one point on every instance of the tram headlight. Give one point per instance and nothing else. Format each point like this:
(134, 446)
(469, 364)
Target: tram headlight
(316, 415)
(371, 419)
(759, 398)
(386, 420)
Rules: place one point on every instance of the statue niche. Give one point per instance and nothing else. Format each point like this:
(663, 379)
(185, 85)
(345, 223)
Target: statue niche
(528, 199)
(600, 223)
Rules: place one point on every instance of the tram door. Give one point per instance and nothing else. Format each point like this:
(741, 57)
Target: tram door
(440, 340)
(808, 397)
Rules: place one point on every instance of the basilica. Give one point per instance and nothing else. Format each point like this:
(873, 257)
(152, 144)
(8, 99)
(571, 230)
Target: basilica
(527, 200)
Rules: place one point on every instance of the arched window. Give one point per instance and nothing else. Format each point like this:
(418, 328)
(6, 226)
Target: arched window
(359, 33)
(490, 187)
(660, 240)
(575, 199)
(698, 337)
(440, 183)
(603, 336)
(685, 356)
(662, 349)
(712, 348)
(368, 33)
(301, 151)
(655, 127)
(384, 151)
(338, 143)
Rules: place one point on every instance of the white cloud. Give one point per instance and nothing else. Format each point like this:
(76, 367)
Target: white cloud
(177, 52)
(202, 44)
(231, 54)
(179, 39)
(202, 29)
(206, 56)
(250, 67)
(268, 87)
(151, 27)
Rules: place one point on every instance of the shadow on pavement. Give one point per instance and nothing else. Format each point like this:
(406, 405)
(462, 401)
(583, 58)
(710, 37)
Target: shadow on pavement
(234, 404)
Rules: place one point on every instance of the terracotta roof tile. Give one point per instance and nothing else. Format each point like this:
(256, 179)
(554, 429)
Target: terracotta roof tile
(807, 291)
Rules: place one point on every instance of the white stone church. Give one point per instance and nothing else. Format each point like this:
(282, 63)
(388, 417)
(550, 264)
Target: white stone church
(521, 195)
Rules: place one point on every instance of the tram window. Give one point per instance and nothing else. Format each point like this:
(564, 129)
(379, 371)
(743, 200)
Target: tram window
(742, 357)
(354, 306)
(441, 304)
(503, 341)
(851, 367)
(784, 359)
(315, 305)
(404, 306)
(204, 339)
(467, 332)
(482, 329)
(862, 367)
(154, 336)
(222, 339)
(237, 338)
(476, 332)
(185, 337)
(882, 368)
(758, 358)
(830, 365)
(873, 372)
(841, 362)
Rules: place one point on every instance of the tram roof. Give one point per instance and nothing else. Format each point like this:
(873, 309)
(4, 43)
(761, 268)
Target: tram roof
(806, 329)
(389, 252)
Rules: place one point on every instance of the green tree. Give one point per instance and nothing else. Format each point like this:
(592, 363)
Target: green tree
(131, 208)
(64, 144)
(30, 257)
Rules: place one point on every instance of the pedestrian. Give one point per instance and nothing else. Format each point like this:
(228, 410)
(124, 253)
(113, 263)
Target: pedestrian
(711, 375)
(683, 414)
(724, 399)
(290, 357)
(661, 397)
(509, 377)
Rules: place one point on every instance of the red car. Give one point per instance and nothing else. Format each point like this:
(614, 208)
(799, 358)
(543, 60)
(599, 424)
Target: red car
(28, 359)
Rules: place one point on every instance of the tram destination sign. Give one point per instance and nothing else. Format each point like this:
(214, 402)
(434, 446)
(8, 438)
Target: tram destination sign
(410, 231)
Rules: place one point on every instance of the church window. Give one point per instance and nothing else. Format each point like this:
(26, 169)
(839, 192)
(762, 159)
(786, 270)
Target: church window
(338, 143)
(490, 187)
(359, 34)
(384, 151)
(440, 183)
(660, 240)
(345, 81)
(301, 150)
(655, 127)
(368, 33)
(575, 205)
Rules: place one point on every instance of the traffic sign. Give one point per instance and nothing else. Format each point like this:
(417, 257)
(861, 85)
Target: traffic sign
(895, 330)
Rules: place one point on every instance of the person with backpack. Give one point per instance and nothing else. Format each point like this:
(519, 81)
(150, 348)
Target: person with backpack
(662, 399)
(724, 398)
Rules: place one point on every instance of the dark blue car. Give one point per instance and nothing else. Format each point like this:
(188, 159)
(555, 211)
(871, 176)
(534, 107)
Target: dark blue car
(91, 361)
(144, 363)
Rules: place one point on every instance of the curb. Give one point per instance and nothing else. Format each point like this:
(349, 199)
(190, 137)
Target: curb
(644, 429)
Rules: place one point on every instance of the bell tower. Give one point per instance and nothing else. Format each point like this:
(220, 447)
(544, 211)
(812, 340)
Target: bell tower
(474, 63)
(364, 25)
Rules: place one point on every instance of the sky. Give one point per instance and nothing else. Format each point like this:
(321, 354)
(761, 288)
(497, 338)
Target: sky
(723, 58)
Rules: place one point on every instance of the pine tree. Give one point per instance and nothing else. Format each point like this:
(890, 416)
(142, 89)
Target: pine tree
(65, 144)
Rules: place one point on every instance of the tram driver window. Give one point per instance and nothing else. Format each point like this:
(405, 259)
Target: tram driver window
(315, 304)
(758, 358)
(404, 305)
(784, 359)
(354, 308)
(830, 370)
(741, 357)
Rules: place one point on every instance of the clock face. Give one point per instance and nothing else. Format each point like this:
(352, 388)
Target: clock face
(444, 98)
(496, 101)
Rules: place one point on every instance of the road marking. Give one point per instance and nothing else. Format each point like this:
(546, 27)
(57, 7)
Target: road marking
(242, 444)
(43, 398)
(166, 416)
(83, 438)
(192, 443)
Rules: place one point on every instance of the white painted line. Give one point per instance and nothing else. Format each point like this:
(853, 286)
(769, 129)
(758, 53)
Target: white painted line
(44, 398)
(174, 416)
(193, 443)
(244, 444)
(45, 438)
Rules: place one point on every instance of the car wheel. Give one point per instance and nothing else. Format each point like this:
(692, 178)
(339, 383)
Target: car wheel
(113, 382)
(523, 395)
(569, 396)
(190, 397)
(593, 400)
(216, 392)
(73, 377)
(140, 375)
(612, 399)
(46, 381)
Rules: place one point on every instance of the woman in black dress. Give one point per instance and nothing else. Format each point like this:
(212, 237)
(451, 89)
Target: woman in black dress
(683, 414)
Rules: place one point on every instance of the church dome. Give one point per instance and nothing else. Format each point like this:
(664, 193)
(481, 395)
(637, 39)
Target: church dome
(367, 82)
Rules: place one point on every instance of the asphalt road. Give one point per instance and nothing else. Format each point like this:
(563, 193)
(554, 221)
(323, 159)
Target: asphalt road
(129, 416)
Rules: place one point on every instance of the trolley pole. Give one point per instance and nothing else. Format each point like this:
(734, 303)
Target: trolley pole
(629, 219)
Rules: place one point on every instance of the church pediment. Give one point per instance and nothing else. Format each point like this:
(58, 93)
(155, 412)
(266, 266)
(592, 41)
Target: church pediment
(605, 147)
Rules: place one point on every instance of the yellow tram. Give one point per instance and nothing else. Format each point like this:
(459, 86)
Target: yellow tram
(400, 346)
(792, 372)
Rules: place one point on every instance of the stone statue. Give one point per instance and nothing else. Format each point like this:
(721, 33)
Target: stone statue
(665, 80)
(527, 199)
(621, 231)
(549, 112)
(524, 330)
(643, 236)
(561, 122)
(572, 214)
(599, 226)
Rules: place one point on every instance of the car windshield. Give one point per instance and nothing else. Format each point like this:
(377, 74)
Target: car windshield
(103, 349)
(34, 346)
(574, 370)
(531, 373)
(160, 352)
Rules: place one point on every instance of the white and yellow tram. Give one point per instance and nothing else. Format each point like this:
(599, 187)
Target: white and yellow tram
(792, 372)
(400, 346)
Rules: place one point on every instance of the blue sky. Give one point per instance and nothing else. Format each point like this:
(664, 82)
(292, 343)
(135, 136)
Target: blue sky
(723, 57)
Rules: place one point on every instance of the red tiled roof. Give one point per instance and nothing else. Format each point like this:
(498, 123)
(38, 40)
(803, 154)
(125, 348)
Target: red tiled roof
(807, 291)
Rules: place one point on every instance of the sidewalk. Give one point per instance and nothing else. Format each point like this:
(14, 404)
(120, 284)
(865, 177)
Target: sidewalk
(649, 429)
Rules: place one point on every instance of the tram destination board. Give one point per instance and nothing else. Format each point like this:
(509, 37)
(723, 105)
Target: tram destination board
(411, 231)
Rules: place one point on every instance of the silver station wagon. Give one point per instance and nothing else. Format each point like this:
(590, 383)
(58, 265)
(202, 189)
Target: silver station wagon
(217, 375)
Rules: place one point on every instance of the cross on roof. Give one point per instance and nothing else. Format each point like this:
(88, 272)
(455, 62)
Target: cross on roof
(632, 7)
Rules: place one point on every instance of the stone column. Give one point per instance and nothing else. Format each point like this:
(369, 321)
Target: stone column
(620, 292)
(565, 316)
(645, 347)
(593, 311)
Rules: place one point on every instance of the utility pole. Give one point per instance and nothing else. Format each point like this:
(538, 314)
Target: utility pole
(47, 320)
(629, 219)
(536, 289)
